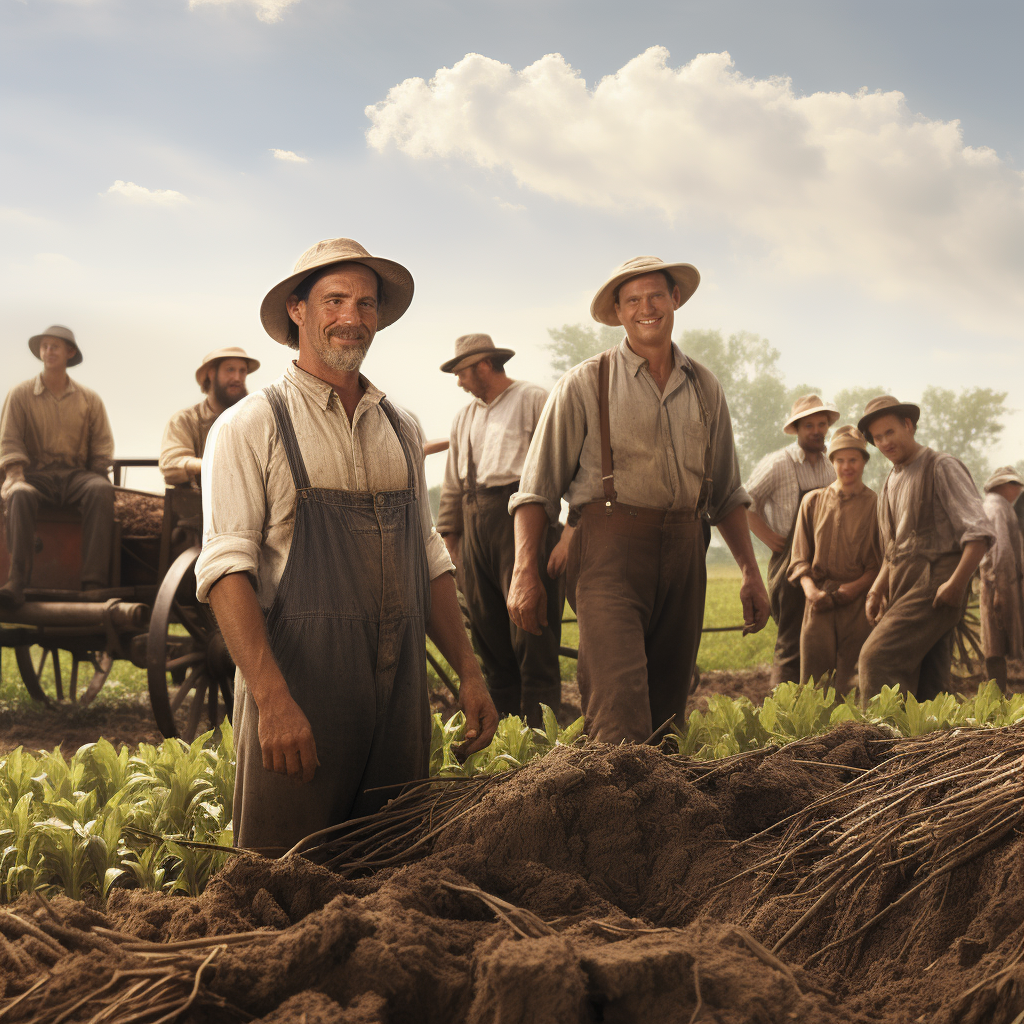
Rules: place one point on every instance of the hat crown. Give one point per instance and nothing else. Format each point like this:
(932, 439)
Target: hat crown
(58, 331)
(847, 436)
(328, 250)
(804, 403)
(638, 264)
(881, 402)
(472, 343)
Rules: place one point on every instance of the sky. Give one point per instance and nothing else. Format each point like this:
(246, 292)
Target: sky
(848, 179)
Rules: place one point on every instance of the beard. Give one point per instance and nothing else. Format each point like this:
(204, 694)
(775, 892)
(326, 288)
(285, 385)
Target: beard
(349, 358)
(225, 398)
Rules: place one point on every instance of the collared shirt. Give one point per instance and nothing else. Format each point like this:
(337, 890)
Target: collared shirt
(1003, 564)
(248, 493)
(836, 536)
(959, 514)
(184, 439)
(495, 436)
(49, 432)
(657, 439)
(780, 478)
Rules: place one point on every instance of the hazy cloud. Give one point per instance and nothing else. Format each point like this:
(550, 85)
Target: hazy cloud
(137, 194)
(266, 10)
(289, 156)
(837, 183)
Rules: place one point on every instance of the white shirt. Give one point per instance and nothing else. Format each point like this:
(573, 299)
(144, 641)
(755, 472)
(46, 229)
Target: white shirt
(780, 478)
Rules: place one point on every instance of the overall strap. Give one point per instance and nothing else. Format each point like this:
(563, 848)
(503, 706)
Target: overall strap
(607, 474)
(286, 430)
(392, 415)
(704, 497)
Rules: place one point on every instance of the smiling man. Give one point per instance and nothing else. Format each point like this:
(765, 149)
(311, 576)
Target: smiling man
(640, 438)
(934, 534)
(322, 566)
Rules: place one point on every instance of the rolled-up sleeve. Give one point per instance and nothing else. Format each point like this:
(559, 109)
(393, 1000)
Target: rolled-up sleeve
(961, 503)
(449, 515)
(554, 452)
(727, 491)
(759, 484)
(176, 449)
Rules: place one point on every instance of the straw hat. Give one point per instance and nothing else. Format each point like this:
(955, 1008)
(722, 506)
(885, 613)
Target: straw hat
(471, 348)
(685, 275)
(224, 353)
(848, 437)
(56, 331)
(808, 405)
(886, 405)
(1003, 475)
(396, 285)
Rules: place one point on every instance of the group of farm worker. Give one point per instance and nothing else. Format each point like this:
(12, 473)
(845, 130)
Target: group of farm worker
(325, 571)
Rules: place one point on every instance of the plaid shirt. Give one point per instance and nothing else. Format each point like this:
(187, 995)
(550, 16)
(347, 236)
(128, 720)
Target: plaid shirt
(779, 479)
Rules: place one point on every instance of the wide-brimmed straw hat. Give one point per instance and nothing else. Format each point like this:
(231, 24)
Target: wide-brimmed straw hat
(1003, 475)
(808, 405)
(396, 285)
(56, 331)
(685, 275)
(886, 405)
(471, 348)
(848, 437)
(225, 353)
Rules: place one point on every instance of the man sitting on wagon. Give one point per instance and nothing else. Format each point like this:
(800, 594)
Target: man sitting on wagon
(221, 377)
(55, 446)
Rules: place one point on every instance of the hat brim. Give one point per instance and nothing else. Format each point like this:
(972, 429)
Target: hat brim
(36, 339)
(602, 309)
(904, 411)
(476, 356)
(849, 448)
(254, 365)
(998, 481)
(396, 294)
(833, 416)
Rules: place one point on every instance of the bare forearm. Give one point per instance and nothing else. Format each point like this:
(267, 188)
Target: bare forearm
(970, 559)
(758, 527)
(736, 534)
(530, 525)
(445, 628)
(861, 584)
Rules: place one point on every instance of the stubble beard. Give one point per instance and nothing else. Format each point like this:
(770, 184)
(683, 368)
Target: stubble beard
(224, 398)
(347, 359)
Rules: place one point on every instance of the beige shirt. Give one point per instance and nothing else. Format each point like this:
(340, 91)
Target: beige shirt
(248, 494)
(658, 440)
(496, 435)
(836, 536)
(1003, 564)
(185, 439)
(47, 432)
(780, 478)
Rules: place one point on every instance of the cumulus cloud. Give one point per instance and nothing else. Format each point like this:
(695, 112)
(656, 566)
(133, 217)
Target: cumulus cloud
(849, 184)
(137, 194)
(289, 156)
(266, 10)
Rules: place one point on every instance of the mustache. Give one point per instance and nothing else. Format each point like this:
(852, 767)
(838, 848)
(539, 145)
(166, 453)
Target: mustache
(349, 332)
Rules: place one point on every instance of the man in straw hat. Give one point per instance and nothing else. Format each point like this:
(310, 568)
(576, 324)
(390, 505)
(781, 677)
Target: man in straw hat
(776, 488)
(323, 568)
(641, 439)
(489, 441)
(221, 377)
(56, 446)
(836, 557)
(934, 533)
(1002, 570)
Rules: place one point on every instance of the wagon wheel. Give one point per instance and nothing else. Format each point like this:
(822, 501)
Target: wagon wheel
(197, 664)
(32, 673)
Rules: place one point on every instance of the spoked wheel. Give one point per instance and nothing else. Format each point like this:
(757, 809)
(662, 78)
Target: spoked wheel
(32, 673)
(192, 664)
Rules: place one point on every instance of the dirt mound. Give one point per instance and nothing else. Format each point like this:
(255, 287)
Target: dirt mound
(601, 884)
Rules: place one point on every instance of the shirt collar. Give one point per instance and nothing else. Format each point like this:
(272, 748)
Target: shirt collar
(40, 387)
(490, 405)
(796, 453)
(635, 362)
(321, 392)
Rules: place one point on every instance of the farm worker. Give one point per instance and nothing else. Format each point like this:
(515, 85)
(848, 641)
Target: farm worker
(934, 533)
(323, 568)
(489, 440)
(641, 439)
(1002, 632)
(222, 378)
(776, 488)
(56, 446)
(836, 557)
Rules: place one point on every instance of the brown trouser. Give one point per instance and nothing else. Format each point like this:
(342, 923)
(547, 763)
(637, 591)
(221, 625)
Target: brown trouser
(912, 645)
(640, 583)
(521, 669)
(830, 641)
(787, 608)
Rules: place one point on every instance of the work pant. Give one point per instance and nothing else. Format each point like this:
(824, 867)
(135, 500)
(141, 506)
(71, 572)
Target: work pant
(521, 669)
(830, 641)
(91, 493)
(640, 580)
(787, 608)
(912, 645)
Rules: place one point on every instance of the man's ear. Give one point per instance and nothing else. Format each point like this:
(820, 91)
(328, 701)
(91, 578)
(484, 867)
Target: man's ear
(677, 297)
(296, 309)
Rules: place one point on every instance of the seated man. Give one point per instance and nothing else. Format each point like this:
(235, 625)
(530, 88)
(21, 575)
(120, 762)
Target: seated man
(55, 446)
(222, 379)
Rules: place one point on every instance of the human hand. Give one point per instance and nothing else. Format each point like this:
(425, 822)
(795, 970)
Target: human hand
(286, 739)
(12, 484)
(949, 595)
(777, 543)
(481, 716)
(843, 595)
(756, 607)
(528, 600)
(821, 601)
(560, 554)
(874, 607)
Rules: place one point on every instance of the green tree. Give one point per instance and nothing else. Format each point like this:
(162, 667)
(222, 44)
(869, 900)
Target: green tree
(965, 425)
(573, 343)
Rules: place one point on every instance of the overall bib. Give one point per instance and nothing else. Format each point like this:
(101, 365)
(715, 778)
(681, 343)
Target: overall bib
(347, 629)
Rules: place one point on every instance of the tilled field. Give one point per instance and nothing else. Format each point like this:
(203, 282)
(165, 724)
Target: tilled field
(851, 877)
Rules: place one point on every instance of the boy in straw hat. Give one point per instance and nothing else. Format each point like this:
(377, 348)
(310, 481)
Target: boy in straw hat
(55, 446)
(934, 533)
(489, 440)
(221, 377)
(776, 488)
(323, 568)
(836, 557)
(640, 438)
(1002, 569)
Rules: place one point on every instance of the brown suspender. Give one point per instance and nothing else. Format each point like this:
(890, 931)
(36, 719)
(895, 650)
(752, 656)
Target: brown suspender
(607, 474)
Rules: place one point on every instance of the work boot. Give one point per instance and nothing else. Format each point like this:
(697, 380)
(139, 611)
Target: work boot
(12, 595)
